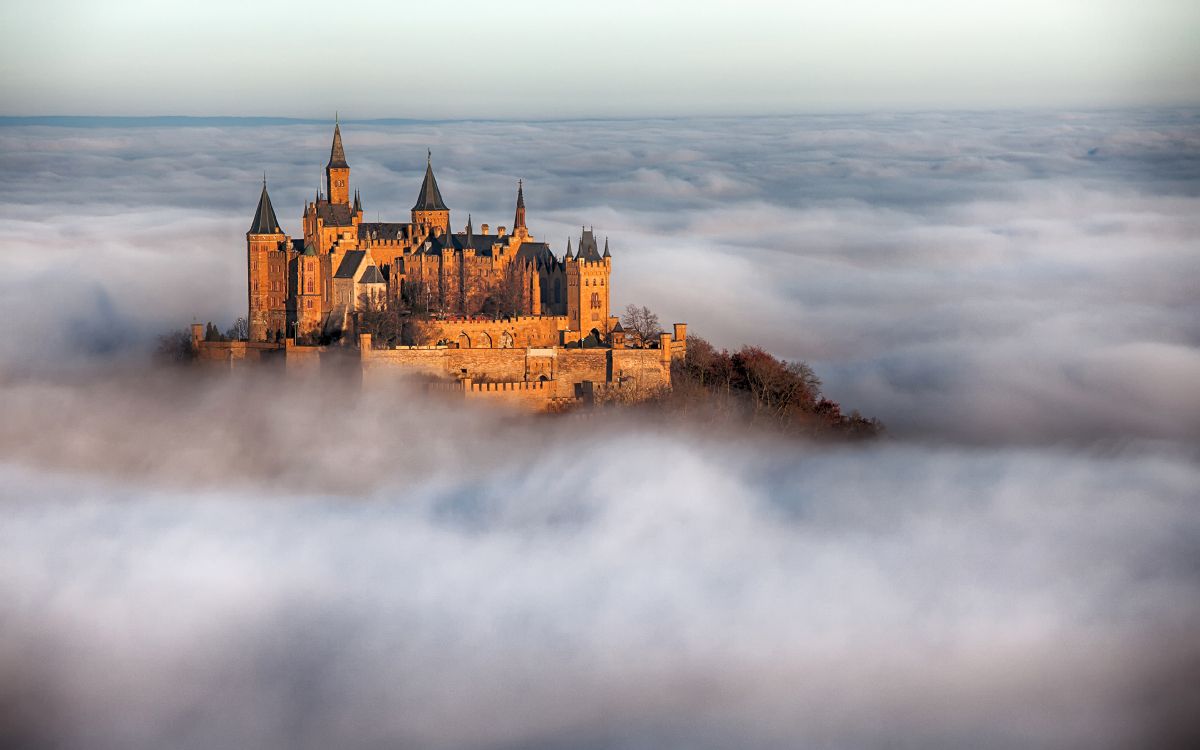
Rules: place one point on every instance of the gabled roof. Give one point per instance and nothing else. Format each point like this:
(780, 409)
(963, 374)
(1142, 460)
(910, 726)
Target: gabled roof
(479, 242)
(264, 221)
(337, 155)
(536, 252)
(334, 214)
(372, 276)
(430, 198)
(349, 265)
(382, 230)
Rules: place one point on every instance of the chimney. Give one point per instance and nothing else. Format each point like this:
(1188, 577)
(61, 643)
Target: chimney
(501, 231)
(485, 228)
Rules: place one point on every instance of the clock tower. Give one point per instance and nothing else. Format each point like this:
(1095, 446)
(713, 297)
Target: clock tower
(337, 171)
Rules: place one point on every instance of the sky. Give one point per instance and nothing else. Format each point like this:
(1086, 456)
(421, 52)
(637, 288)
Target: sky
(536, 59)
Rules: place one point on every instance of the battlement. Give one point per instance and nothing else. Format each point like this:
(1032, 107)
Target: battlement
(470, 386)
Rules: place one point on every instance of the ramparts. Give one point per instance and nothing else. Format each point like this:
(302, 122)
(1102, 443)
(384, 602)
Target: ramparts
(544, 378)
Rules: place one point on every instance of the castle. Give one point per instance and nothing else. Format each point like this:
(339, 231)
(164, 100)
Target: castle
(487, 312)
(310, 287)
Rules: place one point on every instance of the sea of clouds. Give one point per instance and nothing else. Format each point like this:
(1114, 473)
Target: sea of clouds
(257, 562)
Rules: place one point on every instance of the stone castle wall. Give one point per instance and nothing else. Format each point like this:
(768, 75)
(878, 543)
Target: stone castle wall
(531, 378)
(486, 333)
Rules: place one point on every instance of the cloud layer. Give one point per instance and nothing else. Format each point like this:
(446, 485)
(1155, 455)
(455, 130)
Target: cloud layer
(234, 572)
(259, 562)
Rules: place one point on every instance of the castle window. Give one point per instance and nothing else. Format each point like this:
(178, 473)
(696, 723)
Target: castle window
(595, 301)
(308, 303)
(310, 287)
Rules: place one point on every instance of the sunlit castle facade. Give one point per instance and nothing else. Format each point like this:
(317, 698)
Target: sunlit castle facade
(312, 286)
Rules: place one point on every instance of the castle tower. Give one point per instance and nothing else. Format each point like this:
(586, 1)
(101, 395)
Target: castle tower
(588, 276)
(429, 208)
(263, 242)
(308, 286)
(519, 220)
(337, 171)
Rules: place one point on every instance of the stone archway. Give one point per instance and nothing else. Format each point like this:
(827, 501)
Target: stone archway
(464, 341)
(484, 340)
(506, 340)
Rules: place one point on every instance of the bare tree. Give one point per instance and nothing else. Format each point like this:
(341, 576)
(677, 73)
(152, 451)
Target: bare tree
(175, 346)
(507, 296)
(239, 331)
(380, 319)
(641, 324)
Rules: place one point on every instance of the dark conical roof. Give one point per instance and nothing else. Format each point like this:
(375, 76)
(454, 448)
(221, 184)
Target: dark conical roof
(264, 221)
(357, 202)
(430, 198)
(337, 155)
(607, 254)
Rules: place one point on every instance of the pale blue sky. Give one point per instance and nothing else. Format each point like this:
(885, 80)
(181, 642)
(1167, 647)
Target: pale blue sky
(529, 58)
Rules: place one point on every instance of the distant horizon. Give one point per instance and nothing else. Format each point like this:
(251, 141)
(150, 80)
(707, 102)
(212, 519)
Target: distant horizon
(66, 119)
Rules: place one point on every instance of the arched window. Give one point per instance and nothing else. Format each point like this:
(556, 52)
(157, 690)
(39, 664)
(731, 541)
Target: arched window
(506, 340)
(595, 300)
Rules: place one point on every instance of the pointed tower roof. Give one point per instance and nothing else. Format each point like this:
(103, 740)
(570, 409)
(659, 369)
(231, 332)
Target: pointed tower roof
(519, 219)
(607, 254)
(357, 202)
(430, 198)
(264, 221)
(568, 255)
(337, 155)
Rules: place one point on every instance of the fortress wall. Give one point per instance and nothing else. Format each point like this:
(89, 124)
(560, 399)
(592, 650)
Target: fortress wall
(646, 367)
(487, 364)
(535, 396)
(383, 364)
(234, 353)
(526, 330)
(302, 359)
(577, 365)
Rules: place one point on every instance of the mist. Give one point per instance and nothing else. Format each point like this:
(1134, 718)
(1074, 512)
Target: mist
(259, 561)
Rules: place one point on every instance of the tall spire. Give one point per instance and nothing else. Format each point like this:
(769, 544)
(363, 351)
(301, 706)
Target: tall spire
(519, 219)
(357, 202)
(264, 221)
(607, 254)
(568, 255)
(430, 198)
(337, 155)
